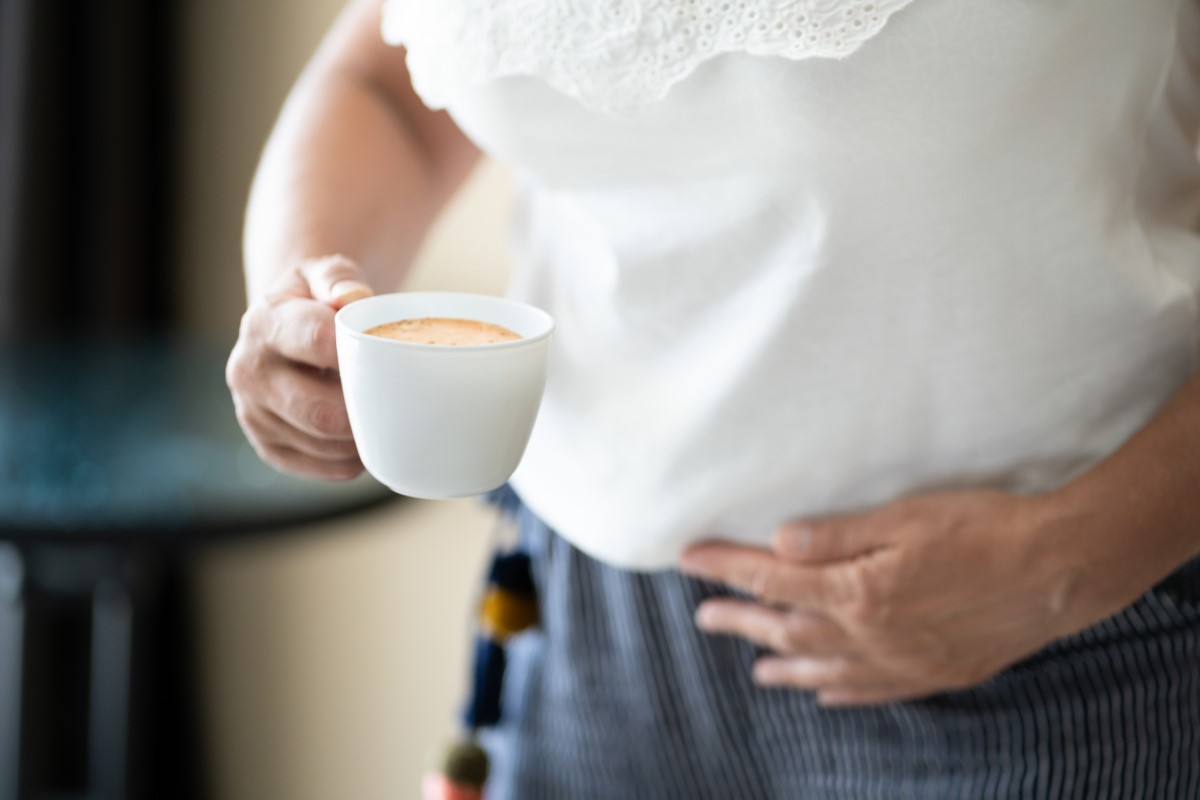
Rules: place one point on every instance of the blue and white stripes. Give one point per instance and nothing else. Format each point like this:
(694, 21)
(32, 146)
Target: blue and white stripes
(619, 697)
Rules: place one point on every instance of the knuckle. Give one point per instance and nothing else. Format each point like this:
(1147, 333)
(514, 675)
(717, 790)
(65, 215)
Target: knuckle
(255, 322)
(247, 352)
(764, 584)
(328, 270)
(326, 417)
(869, 595)
(791, 636)
(859, 600)
(248, 323)
(337, 267)
(244, 418)
(275, 331)
(849, 588)
(283, 288)
(338, 271)
(237, 369)
(233, 370)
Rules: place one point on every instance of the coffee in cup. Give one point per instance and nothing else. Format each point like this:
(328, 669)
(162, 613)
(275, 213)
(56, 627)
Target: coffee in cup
(448, 331)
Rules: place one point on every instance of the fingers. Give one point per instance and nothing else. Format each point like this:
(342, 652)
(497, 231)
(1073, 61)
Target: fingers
(302, 331)
(271, 430)
(841, 674)
(293, 461)
(838, 681)
(335, 280)
(764, 575)
(873, 695)
(832, 539)
(308, 401)
(280, 402)
(286, 447)
(296, 320)
(288, 403)
(813, 653)
(785, 632)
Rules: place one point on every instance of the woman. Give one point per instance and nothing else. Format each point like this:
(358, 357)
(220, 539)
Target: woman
(877, 318)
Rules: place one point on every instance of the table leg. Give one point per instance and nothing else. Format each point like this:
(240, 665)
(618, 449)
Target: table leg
(12, 632)
(106, 685)
(108, 719)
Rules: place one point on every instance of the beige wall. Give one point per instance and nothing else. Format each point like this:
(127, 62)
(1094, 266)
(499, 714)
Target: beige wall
(239, 56)
(332, 659)
(239, 59)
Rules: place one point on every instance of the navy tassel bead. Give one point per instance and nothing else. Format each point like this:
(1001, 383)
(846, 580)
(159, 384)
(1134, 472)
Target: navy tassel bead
(488, 682)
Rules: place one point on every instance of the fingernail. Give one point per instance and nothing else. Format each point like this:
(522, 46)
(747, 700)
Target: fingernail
(704, 618)
(346, 292)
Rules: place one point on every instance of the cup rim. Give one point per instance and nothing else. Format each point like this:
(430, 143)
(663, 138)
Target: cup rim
(512, 344)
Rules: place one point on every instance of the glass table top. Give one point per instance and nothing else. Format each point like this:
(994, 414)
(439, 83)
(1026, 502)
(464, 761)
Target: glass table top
(107, 440)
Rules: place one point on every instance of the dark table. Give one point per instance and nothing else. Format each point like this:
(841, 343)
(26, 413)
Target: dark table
(116, 462)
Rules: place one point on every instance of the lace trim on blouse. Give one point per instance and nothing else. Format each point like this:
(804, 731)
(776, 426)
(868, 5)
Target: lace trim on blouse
(613, 55)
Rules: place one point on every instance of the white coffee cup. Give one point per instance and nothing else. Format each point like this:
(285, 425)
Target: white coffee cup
(438, 421)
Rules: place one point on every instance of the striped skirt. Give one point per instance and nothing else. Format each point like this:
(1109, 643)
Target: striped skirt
(619, 697)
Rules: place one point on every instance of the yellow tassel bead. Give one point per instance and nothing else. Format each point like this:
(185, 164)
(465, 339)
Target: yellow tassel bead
(504, 613)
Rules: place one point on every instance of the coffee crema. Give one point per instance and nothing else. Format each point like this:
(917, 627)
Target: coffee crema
(444, 331)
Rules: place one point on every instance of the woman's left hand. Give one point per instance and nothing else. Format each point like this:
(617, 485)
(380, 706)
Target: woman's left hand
(930, 593)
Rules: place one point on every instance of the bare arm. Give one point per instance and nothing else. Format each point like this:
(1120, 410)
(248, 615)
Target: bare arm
(1136, 516)
(356, 164)
(354, 174)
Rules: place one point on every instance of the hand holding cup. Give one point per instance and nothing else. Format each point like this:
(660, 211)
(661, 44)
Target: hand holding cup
(282, 372)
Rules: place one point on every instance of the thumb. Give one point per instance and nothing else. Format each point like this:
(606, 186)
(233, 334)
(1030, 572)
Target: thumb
(830, 539)
(335, 280)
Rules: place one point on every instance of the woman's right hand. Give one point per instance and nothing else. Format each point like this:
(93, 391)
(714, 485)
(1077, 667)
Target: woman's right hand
(283, 371)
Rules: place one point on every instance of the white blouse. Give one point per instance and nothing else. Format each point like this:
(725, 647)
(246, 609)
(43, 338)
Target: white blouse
(807, 256)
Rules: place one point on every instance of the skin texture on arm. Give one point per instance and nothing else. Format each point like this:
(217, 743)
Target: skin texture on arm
(356, 165)
(354, 174)
(1134, 517)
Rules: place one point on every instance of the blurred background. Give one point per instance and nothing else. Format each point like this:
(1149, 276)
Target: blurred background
(175, 620)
